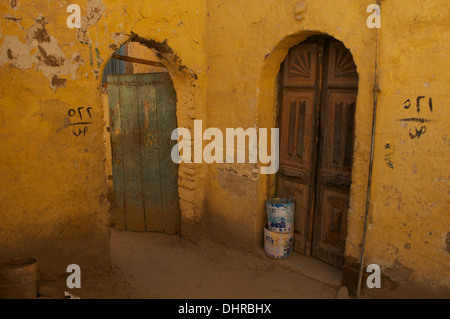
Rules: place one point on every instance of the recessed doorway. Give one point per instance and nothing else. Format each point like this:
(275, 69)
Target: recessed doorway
(318, 86)
(141, 107)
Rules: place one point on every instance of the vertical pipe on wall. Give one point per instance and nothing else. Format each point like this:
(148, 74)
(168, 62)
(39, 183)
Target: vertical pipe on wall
(376, 90)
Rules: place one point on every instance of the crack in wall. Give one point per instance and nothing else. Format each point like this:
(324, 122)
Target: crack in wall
(164, 52)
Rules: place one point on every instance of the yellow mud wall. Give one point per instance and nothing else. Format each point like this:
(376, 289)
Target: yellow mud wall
(242, 92)
(408, 231)
(53, 203)
(409, 224)
(223, 57)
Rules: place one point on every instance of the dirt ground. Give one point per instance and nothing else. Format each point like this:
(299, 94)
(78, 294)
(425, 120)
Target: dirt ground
(155, 265)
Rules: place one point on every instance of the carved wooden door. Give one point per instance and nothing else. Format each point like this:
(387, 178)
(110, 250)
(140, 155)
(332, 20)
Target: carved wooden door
(318, 89)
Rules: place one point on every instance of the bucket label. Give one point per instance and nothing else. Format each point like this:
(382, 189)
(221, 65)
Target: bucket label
(281, 211)
(284, 223)
(269, 239)
(278, 251)
(280, 216)
(278, 224)
(277, 245)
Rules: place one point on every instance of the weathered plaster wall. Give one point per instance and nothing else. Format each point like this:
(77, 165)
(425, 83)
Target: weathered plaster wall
(223, 56)
(408, 225)
(53, 195)
(242, 73)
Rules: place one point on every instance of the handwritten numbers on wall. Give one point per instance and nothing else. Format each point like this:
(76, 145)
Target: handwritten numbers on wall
(83, 118)
(407, 103)
(418, 128)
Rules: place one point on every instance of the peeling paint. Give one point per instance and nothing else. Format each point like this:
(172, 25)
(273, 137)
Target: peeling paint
(17, 53)
(41, 50)
(50, 60)
(13, 4)
(57, 82)
(236, 185)
(95, 10)
(38, 32)
(9, 54)
(398, 273)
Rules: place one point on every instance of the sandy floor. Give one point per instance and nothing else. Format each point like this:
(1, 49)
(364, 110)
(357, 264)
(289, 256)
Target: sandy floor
(154, 265)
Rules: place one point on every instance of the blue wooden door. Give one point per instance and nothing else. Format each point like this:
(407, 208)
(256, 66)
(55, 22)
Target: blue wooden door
(142, 117)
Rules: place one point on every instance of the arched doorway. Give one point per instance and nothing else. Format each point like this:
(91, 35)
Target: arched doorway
(141, 100)
(318, 86)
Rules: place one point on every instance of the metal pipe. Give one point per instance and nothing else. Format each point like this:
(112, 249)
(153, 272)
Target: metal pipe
(376, 90)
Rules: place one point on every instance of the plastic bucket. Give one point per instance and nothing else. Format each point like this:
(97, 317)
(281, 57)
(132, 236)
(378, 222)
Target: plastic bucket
(18, 278)
(280, 214)
(277, 245)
